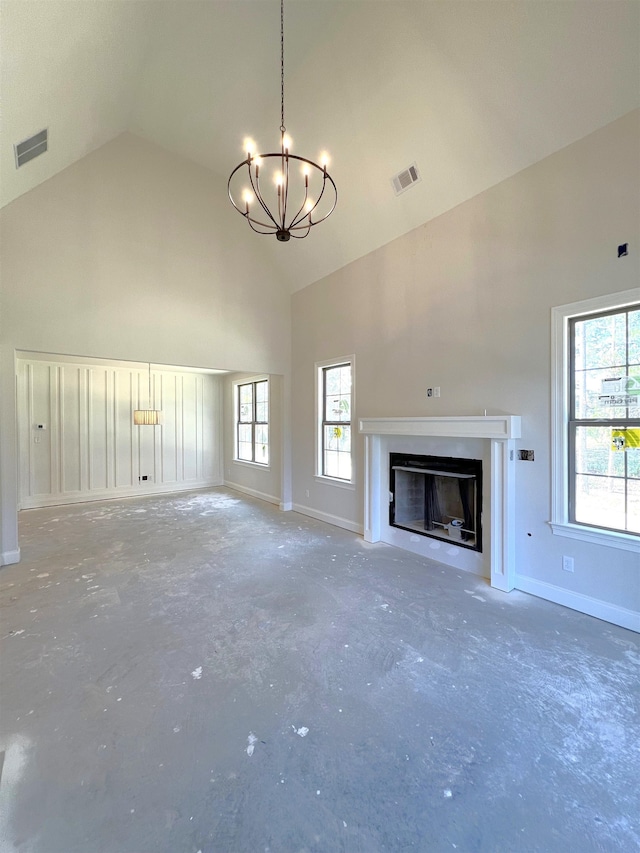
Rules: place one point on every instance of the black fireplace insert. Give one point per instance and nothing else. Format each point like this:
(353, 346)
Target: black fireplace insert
(437, 496)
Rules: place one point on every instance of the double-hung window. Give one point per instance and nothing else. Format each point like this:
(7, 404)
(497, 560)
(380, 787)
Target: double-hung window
(596, 445)
(604, 422)
(252, 422)
(335, 395)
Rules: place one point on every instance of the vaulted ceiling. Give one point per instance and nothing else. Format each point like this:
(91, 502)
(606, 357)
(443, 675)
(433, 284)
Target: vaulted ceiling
(473, 91)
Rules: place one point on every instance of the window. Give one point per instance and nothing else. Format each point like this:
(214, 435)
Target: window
(335, 395)
(604, 421)
(252, 422)
(596, 448)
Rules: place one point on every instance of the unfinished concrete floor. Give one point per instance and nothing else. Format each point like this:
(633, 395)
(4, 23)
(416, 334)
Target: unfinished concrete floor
(201, 672)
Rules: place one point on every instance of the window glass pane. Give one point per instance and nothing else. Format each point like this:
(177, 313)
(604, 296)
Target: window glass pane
(633, 506)
(244, 451)
(633, 390)
(262, 411)
(601, 341)
(262, 444)
(600, 501)
(344, 466)
(332, 380)
(634, 337)
(603, 394)
(337, 457)
(331, 438)
(245, 446)
(595, 453)
(331, 466)
(633, 463)
(262, 391)
(246, 403)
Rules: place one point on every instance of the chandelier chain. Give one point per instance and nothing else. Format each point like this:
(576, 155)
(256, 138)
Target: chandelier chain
(282, 127)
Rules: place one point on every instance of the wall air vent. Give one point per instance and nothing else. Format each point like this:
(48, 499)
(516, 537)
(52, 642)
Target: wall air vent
(405, 179)
(31, 147)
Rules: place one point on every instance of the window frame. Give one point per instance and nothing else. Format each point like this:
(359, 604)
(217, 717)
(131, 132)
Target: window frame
(562, 464)
(321, 367)
(237, 385)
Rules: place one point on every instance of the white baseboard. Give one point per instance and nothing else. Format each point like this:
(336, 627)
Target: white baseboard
(8, 558)
(115, 494)
(286, 507)
(582, 603)
(336, 520)
(254, 493)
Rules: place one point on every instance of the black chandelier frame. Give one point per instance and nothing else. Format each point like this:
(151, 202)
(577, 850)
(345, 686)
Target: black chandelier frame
(302, 221)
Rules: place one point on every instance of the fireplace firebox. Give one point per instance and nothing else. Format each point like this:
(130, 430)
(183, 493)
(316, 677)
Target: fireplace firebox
(437, 496)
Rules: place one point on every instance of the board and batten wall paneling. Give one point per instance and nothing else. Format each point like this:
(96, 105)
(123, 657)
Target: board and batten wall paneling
(90, 449)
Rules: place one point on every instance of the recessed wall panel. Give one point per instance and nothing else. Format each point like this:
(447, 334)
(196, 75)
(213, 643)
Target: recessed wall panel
(125, 455)
(98, 430)
(70, 428)
(41, 481)
(171, 418)
(190, 414)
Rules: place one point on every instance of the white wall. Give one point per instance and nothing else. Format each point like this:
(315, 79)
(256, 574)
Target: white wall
(131, 254)
(464, 302)
(260, 481)
(90, 448)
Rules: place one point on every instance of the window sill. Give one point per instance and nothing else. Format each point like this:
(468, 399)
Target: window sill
(244, 464)
(331, 481)
(609, 538)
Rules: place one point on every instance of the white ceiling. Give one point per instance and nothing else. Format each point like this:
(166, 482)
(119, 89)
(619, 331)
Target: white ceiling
(473, 91)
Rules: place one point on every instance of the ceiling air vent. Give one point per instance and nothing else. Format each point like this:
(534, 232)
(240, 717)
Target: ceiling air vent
(405, 179)
(30, 148)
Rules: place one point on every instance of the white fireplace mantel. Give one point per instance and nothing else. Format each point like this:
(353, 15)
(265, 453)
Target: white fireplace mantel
(500, 430)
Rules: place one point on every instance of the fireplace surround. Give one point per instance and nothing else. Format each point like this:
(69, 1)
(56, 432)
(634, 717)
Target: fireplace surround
(491, 437)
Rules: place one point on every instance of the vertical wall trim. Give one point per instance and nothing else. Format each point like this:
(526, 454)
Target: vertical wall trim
(198, 402)
(29, 425)
(131, 428)
(157, 434)
(177, 416)
(80, 436)
(83, 416)
(90, 426)
(60, 421)
(180, 427)
(54, 431)
(112, 434)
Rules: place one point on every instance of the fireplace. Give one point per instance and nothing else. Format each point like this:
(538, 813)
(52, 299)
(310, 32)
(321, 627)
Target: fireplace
(437, 496)
(492, 439)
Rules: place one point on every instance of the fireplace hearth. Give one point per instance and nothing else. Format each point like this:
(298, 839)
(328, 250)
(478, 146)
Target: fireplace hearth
(437, 496)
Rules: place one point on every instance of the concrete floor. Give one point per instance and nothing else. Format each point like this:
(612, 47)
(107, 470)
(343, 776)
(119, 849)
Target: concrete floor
(201, 672)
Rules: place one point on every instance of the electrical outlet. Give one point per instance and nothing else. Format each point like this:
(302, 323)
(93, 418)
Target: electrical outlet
(436, 391)
(306, 494)
(567, 564)
(429, 392)
(526, 455)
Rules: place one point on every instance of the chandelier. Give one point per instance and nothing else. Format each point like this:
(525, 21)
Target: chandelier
(274, 199)
(147, 417)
